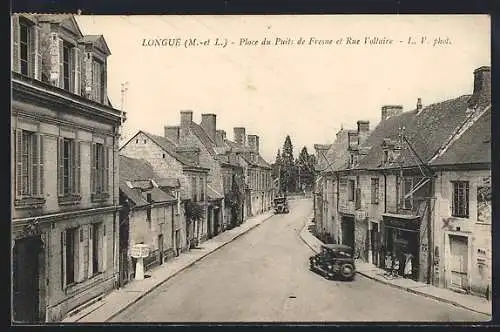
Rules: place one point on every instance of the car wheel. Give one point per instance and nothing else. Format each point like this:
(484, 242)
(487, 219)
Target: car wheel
(347, 271)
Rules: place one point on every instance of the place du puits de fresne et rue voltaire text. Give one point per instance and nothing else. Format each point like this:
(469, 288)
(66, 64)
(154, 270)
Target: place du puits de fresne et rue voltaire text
(287, 41)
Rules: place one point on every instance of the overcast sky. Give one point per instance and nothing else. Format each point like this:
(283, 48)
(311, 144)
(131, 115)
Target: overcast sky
(306, 91)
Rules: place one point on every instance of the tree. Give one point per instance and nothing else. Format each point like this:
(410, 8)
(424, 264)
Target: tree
(288, 166)
(276, 165)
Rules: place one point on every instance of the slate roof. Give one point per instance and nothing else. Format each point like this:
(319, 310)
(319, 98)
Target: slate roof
(474, 146)
(207, 142)
(139, 172)
(426, 131)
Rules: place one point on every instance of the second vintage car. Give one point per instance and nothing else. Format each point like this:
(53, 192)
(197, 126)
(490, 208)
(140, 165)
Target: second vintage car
(334, 261)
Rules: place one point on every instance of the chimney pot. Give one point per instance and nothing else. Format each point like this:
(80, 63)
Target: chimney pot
(363, 126)
(253, 143)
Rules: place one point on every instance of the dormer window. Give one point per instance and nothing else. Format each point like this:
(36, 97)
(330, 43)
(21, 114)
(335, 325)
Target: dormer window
(98, 79)
(24, 44)
(386, 156)
(68, 65)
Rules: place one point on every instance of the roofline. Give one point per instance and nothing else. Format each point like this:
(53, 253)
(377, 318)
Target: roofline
(195, 169)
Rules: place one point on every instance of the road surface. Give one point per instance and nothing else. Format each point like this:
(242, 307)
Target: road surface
(263, 276)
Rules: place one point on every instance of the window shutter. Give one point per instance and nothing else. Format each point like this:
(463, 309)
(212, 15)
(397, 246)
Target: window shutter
(106, 170)
(34, 165)
(55, 74)
(60, 166)
(16, 63)
(76, 71)
(104, 244)
(38, 54)
(93, 169)
(63, 259)
(41, 182)
(19, 162)
(33, 51)
(73, 172)
(61, 62)
(81, 254)
(78, 149)
(91, 252)
(88, 75)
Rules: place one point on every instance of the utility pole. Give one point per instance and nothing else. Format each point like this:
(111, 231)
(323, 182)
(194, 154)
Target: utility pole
(123, 92)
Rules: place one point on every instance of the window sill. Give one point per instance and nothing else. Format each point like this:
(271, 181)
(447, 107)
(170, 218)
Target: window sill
(99, 197)
(69, 199)
(77, 287)
(29, 202)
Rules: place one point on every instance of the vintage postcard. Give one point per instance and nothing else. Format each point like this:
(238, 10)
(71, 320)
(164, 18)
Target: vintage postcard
(224, 169)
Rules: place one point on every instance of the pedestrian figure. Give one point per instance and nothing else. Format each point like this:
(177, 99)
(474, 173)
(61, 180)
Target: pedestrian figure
(388, 263)
(408, 265)
(395, 269)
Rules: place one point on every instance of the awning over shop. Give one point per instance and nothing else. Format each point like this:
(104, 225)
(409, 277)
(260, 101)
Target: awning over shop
(402, 221)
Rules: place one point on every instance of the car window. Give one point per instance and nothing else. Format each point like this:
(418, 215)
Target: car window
(344, 254)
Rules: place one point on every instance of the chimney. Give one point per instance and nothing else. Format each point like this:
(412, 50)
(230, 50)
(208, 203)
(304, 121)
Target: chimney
(482, 86)
(208, 123)
(419, 105)
(172, 133)
(239, 135)
(363, 130)
(186, 118)
(253, 142)
(363, 126)
(389, 111)
(222, 134)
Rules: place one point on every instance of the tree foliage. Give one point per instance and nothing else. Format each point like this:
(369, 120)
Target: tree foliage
(194, 211)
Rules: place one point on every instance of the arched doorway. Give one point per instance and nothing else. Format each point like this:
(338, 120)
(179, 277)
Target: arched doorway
(26, 278)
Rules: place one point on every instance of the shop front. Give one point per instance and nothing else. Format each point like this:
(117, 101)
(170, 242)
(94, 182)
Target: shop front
(401, 244)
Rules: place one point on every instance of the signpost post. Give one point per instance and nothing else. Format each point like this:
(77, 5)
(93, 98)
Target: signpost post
(139, 251)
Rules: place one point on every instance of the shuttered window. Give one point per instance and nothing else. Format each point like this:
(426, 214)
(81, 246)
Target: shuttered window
(68, 66)
(29, 164)
(375, 190)
(99, 169)
(24, 45)
(69, 163)
(460, 203)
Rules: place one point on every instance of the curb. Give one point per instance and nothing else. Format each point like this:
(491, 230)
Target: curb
(180, 270)
(413, 291)
(410, 290)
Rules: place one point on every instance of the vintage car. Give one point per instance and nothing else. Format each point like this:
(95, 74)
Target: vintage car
(280, 205)
(334, 261)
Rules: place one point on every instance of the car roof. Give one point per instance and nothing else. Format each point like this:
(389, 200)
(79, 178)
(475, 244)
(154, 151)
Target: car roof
(337, 246)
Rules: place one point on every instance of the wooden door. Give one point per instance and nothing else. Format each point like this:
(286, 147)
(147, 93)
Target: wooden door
(459, 262)
(25, 280)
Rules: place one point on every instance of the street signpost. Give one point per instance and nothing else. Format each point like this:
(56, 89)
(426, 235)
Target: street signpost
(139, 251)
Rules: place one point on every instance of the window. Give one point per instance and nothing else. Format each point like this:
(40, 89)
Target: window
(29, 160)
(375, 190)
(460, 204)
(194, 192)
(386, 156)
(407, 188)
(67, 66)
(202, 189)
(71, 238)
(99, 176)
(95, 247)
(98, 79)
(68, 167)
(24, 44)
(351, 188)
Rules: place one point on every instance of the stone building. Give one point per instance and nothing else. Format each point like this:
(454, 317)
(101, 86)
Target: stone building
(203, 137)
(64, 134)
(153, 214)
(182, 163)
(419, 186)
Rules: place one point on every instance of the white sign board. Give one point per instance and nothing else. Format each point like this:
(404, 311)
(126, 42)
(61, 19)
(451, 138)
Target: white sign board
(139, 250)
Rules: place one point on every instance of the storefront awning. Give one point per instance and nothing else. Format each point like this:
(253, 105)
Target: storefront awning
(402, 221)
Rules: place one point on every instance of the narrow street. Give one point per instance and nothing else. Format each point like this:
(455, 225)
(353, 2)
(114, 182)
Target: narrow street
(263, 276)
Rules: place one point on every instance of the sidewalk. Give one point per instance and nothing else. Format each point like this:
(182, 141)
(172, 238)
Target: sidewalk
(120, 299)
(470, 302)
